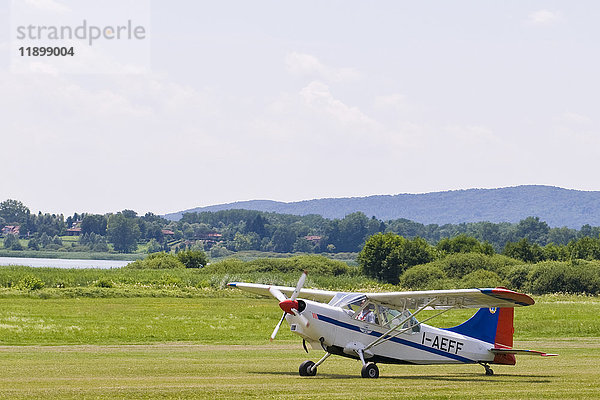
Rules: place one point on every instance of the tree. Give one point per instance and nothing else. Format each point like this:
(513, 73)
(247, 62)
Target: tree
(586, 248)
(464, 244)
(524, 250)
(386, 255)
(123, 233)
(283, 239)
(353, 231)
(93, 223)
(13, 212)
(533, 229)
(12, 242)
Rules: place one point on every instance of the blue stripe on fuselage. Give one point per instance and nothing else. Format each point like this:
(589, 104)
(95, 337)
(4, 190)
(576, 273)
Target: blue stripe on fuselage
(396, 340)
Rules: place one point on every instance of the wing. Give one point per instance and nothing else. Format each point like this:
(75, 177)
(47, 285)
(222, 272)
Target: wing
(460, 298)
(312, 294)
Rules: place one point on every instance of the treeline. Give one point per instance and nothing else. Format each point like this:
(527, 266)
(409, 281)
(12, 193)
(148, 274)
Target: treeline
(464, 262)
(223, 232)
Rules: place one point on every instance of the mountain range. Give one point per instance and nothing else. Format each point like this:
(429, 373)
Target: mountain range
(557, 206)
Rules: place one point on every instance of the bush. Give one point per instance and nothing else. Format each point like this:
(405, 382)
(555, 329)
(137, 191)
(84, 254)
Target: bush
(192, 258)
(104, 283)
(318, 265)
(482, 279)
(518, 277)
(570, 277)
(459, 265)
(421, 276)
(219, 251)
(29, 282)
(157, 261)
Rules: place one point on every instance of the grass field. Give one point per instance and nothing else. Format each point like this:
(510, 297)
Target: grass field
(218, 348)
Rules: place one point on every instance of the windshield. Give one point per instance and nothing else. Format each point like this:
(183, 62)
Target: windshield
(349, 302)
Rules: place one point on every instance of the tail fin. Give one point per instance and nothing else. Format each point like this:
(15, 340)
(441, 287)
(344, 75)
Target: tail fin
(494, 326)
(491, 325)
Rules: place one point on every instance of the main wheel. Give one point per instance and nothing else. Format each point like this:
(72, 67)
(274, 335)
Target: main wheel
(370, 370)
(307, 368)
(489, 371)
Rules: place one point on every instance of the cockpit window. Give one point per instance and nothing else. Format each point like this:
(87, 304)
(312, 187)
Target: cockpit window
(349, 302)
(391, 318)
(357, 306)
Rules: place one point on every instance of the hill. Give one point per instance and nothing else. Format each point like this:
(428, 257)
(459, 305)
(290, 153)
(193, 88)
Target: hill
(557, 206)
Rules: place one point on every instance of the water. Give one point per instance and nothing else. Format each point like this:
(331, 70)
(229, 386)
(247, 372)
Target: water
(62, 263)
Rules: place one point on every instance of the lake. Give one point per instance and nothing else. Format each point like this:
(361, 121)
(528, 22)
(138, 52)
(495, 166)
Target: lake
(62, 263)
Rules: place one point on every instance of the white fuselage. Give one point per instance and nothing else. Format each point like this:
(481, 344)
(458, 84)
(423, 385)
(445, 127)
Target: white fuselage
(339, 333)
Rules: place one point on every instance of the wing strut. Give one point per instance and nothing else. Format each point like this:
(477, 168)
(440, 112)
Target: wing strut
(383, 338)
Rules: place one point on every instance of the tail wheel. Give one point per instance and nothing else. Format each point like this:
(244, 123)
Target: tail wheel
(370, 370)
(307, 368)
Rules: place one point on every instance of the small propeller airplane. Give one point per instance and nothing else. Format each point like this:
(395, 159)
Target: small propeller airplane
(382, 327)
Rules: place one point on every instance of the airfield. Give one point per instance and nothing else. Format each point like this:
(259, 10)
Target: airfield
(172, 348)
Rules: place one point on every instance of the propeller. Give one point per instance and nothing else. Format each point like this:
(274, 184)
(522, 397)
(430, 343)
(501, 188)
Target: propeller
(289, 306)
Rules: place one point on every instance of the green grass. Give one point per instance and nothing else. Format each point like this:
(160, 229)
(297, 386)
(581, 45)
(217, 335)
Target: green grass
(270, 372)
(128, 282)
(236, 319)
(218, 348)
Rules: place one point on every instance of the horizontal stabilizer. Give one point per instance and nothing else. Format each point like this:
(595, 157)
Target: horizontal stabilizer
(526, 352)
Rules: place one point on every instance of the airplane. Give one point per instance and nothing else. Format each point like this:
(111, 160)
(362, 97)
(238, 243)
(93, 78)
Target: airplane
(382, 327)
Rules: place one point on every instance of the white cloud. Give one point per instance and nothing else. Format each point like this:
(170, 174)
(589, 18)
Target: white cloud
(544, 18)
(319, 97)
(301, 64)
(574, 118)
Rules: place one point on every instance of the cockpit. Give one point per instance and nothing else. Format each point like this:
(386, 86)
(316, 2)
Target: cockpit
(360, 308)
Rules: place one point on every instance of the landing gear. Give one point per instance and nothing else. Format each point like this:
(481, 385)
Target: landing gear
(307, 368)
(370, 370)
(488, 370)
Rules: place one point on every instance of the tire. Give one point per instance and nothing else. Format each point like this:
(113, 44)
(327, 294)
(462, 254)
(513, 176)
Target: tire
(489, 372)
(307, 368)
(370, 370)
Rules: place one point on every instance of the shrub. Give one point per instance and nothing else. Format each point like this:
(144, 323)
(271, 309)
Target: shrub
(157, 261)
(518, 277)
(459, 265)
(29, 282)
(192, 258)
(570, 277)
(104, 283)
(482, 279)
(421, 276)
(318, 265)
(219, 251)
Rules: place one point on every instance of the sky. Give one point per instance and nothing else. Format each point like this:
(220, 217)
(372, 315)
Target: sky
(237, 100)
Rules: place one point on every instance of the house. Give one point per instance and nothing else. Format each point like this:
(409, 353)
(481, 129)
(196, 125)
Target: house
(11, 230)
(210, 239)
(75, 229)
(313, 238)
